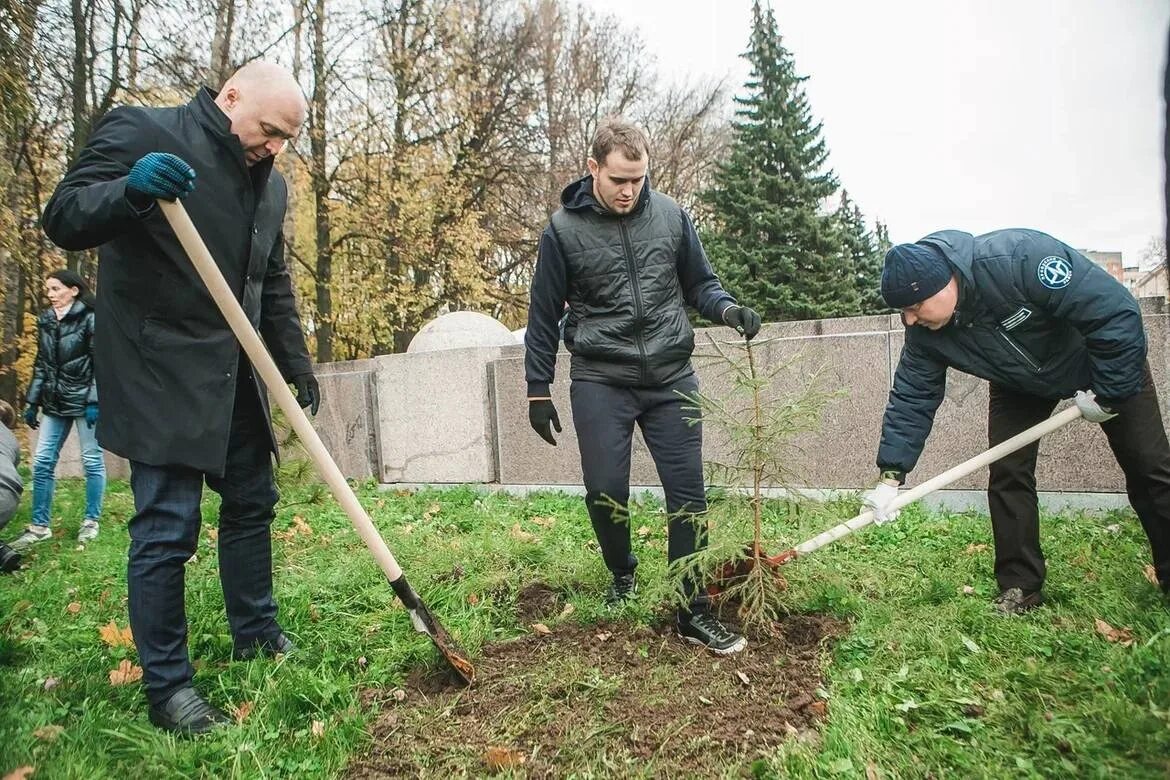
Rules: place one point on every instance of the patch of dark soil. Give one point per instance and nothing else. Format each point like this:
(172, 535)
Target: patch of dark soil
(537, 601)
(613, 699)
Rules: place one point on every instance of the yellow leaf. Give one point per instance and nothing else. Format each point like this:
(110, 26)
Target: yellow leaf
(125, 674)
(541, 629)
(301, 526)
(520, 535)
(1151, 575)
(432, 510)
(318, 729)
(116, 637)
(73, 608)
(49, 733)
(1122, 636)
(212, 533)
(499, 758)
(242, 711)
(21, 773)
(976, 548)
(643, 531)
(472, 599)
(543, 522)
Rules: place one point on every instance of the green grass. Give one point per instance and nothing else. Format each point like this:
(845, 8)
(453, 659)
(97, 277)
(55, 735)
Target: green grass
(926, 682)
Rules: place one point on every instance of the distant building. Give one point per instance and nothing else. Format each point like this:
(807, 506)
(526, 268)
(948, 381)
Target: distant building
(1110, 261)
(1153, 283)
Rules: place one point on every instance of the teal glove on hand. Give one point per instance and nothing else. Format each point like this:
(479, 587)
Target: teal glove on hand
(159, 175)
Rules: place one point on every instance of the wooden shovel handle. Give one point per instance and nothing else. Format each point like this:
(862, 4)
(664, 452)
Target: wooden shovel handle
(238, 321)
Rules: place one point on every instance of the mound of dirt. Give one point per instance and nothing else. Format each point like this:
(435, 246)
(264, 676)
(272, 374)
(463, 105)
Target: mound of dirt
(616, 699)
(537, 601)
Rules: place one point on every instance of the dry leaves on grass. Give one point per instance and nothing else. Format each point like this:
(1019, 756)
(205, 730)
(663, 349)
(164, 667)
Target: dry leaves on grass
(1151, 575)
(498, 759)
(116, 637)
(432, 510)
(1122, 636)
(317, 729)
(21, 773)
(520, 535)
(242, 710)
(543, 522)
(541, 629)
(125, 674)
(298, 527)
(976, 548)
(49, 733)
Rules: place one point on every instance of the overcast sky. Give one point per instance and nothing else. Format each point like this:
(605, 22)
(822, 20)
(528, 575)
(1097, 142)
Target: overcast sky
(962, 114)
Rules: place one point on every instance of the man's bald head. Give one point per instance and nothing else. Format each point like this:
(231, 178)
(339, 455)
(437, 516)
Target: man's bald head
(265, 106)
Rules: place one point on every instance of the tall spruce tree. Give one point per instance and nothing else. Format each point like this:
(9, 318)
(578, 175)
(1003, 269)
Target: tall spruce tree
(768, 234)
(862, 251)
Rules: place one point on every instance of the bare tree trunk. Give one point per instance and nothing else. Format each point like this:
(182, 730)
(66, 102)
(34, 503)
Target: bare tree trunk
(298, 10)
(220, 66)
(320, 176)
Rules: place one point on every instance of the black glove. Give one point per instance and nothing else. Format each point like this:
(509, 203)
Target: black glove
(308, 392)
(540, 413)
(30, 416)
(743, 319)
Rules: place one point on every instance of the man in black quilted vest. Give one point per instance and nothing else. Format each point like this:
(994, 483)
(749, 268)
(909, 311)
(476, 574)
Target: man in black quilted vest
(627, 261)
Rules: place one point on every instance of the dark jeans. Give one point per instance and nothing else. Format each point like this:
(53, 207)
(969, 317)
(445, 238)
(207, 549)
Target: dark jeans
(164, 533)
(1138, 440)
(604, 417)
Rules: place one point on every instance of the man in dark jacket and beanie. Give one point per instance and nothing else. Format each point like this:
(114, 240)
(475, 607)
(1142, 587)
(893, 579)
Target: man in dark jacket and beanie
(627, 259)
(1040, 322)
(179, 397)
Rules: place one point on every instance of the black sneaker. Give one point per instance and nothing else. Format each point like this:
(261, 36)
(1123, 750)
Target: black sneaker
(281, 645)
(623, 587)
(1016, 601)
(187, 713)
(703, 628)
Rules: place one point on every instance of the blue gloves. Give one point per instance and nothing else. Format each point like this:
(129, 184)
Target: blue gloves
(159, 175)
(30, 416)
(91, 414)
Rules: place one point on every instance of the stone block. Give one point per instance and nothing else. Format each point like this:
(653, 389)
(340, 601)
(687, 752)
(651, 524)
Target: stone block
(434, 415)
(347, 422)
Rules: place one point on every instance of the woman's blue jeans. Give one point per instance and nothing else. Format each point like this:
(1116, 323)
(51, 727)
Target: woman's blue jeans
(52, 434)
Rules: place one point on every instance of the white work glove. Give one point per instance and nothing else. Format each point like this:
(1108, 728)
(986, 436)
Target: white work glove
(878, 499)
(1086, 401)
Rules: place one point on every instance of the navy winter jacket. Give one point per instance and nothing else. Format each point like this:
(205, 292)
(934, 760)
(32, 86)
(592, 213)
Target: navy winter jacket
(1034, 315)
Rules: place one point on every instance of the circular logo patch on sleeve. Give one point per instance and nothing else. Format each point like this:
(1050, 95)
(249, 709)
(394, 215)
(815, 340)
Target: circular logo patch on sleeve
(1054, 272)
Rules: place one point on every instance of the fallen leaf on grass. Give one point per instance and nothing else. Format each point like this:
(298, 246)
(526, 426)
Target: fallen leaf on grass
(49, 733)
(541, 629)
(975, 548)
(242, 711)
(543, 522)
(432, 510)
(51, 683)
(967, 590)
(817, 709)
(1151, 575)
(125, 674)
(472, 599)
(498, 758)
(212, 533)
(743, 678)
(1113, 529)
(603, 636)
(871, 771)
(520, 535)
(1122, 636)
(643, 531)
(314, 613)
(21, 773)
(116, 637)
(73, 608)
(317, 729)
(362, 662)
(399, 694)
(568, 610)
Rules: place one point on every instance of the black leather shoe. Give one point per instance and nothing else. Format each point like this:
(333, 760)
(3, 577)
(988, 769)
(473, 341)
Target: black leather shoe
(187, 713)
(281, 645)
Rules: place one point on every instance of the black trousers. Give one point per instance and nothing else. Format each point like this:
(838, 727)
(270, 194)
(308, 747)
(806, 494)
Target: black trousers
(604, 417)
(164, 533)
(1138, 440)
